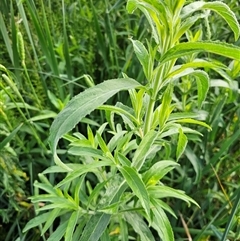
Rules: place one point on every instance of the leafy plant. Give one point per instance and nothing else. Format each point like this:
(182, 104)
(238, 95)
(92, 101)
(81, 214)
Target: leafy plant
(118, 187)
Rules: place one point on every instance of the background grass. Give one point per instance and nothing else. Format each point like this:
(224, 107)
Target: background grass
(53, 50)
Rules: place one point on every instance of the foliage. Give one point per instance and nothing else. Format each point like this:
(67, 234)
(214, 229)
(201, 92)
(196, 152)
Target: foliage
(37, 81)
(118, 186)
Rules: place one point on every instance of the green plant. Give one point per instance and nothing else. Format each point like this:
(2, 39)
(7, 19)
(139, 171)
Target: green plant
(44, 45)
(120, 189)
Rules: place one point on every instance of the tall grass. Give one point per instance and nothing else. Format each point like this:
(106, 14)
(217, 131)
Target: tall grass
(47, 49)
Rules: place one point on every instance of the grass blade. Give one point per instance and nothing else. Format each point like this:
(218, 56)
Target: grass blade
(232, 215)
(10, 136)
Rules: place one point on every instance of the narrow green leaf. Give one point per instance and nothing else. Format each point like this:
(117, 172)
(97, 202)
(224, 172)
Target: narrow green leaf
(119, 111)
(78, 188)
(6, 38)
(113, 142)
(95, 227)
(10, 136)
(202, 84)
(59, 232)
(215, 47)
(219, 83)
(187, 24)
(201, 77)
(138, 187)
(54, 100)
(220, 8)
(97, 189)
(123, 159)
(165, 191)
(165, 207)
(131, 6)
(155, 19)
(111, 208)
(174, 129)
(165, 108)
(41, 26)
(80, 106)
(100, 37)
(139, 226)
(224, 147)
(232, 216)
(57, 169)
(79, 229)
(143, 149)
(47, 188)
(158, 171)
(143, 57)
(91, 167)
(71, 226)
(182, 143)
(61, 205)
(161, 222)
(105, 236)
(66, 48)
(192, 121)
(51, 217)
(36, 221)
(123, 229)
(195, 162)
(184, 115)
(43, 115)
(102, 144)
(86, 151)
(90, 136)
(197, 63)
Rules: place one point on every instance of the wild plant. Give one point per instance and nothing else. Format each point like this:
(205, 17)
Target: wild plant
(117, 189)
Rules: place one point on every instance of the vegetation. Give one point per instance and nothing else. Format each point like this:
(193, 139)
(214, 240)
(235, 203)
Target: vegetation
(119, 120)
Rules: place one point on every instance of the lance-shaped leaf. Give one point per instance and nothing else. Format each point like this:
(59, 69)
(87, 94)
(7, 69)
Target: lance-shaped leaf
(51, 217)
(138, 187)
(71, 225)
(59, 232)
(139, 226)
(202, 85)
(201, 78)
(81, 105)
(10, 136)
(182, 143)
(165, 191)
(215, 47)
(143, 57)
(161, 222)
(158, 171)
(36, 221)
(143, 149)
(220, 8)
(95, 227)
(84, 169)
